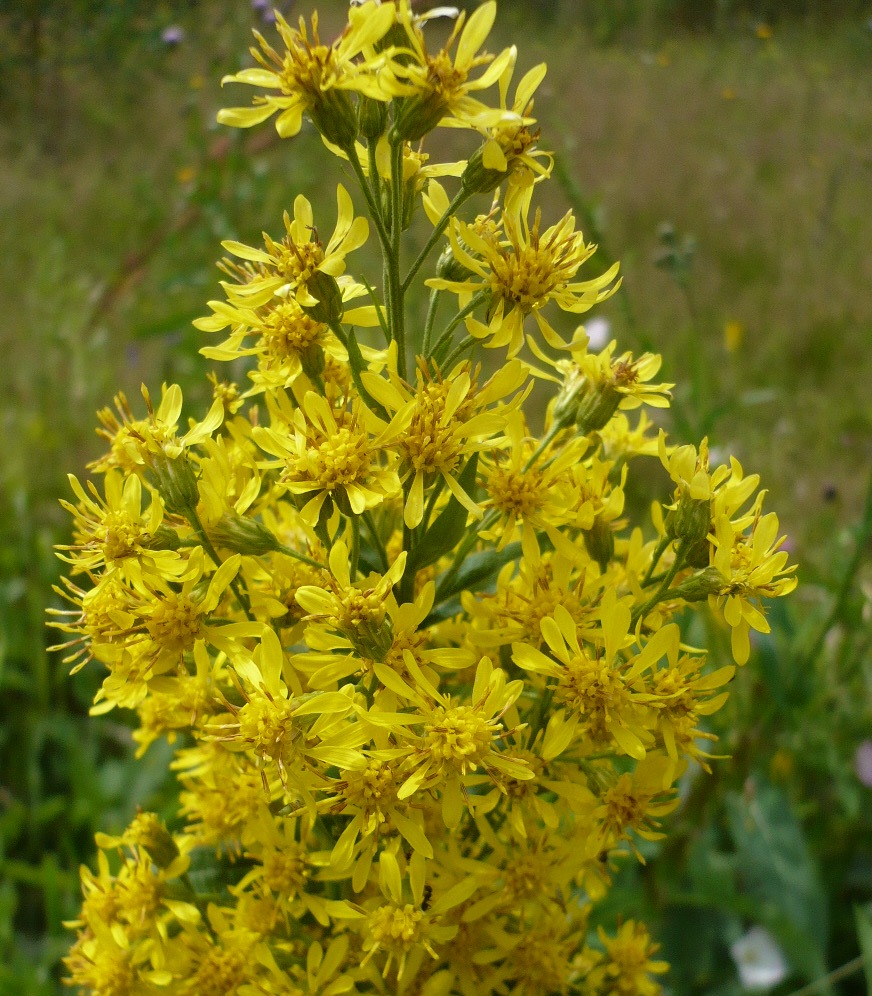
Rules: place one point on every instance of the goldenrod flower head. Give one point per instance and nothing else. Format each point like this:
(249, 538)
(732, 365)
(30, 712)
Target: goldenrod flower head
(628, 964)
(523, 273)
(435, 87)
(315, 79)
(509, 151)
(439, 426)
(300, 264)
(754, 567)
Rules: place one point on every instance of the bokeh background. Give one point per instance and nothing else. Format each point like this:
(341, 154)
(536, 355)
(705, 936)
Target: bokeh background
(722, 151)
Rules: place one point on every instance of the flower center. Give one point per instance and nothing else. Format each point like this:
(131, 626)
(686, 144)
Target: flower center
(268, 725)
(460, 737)
(175, 623)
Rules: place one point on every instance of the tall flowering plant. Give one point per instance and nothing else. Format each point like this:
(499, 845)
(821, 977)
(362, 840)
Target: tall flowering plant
(424, 677)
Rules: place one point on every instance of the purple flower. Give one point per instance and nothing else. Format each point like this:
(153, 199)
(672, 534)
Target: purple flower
(173, 35)
(863, 763)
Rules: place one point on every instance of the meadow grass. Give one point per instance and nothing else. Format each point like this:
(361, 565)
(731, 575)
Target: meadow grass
(116, 188)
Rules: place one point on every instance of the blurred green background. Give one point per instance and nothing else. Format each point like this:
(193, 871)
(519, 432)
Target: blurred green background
(721, 151)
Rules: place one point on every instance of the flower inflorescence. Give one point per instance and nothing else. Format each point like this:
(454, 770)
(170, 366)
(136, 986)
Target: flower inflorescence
(424, 676)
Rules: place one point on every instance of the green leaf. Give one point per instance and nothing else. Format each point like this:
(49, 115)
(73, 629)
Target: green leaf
(477, 573)
(447, 530)
(778, 872)
(863, 917)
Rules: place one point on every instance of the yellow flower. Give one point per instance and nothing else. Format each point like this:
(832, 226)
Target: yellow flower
(441, 425)
(598, 686)
(326, 452)
(627, 967)
(434, 88)
(403, 924)
(459, 737)
(523, 272)
(113, 530)
(299, 264)
(316, 79)
(509, 151)
(753, 567)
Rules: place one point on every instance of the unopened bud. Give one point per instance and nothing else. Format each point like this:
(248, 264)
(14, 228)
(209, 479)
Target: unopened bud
(148, 831)
(372, 117)
(692, 522)
(448, 267)
(242, 535)
(326, 292)
(163, 538)
(477, 178)
(176, 482)
(418, 116)
(312, 360)
(600, 542)
(335, 117)
(596, 408)
(699, 586)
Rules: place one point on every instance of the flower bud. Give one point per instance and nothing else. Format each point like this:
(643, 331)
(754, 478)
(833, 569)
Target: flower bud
(312, 360)
(448, 267)
(163, 538)
(699, 586)
(417, 117)
(148, 831)
(335, 117)
(692, 522)
(599, 541)
(242, 535)
(596, 408)
(326, 292)
(477, 178)
(176, 482)
(372, 118)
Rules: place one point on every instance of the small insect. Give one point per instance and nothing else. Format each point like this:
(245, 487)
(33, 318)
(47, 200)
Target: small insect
(425, 899)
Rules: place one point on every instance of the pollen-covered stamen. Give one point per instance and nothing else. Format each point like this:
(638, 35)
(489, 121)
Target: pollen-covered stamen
(288, 332)
(295, 262)
(176, 623)
(459, 737)
(373, 790)
(434, 442)
(516, 491)
(285, 871)
(397, 929)
(335, 461)
(527, 274)
(594, 690)
(221, 972)
(268, 726)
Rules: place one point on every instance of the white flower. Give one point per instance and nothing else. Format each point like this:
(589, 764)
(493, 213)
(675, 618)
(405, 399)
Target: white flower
(599, 332)
(759, 959)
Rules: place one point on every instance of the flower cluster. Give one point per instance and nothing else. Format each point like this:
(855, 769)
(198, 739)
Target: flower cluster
(424, 677)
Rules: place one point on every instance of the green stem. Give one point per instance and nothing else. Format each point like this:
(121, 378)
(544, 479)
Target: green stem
(842, 972)
(847, 583)
(445, 338)
(431, 504)
(377, 541)
(458, 351)
(374, 209)
(355, 548)
(663, 591)
(544, 443)
(428, 324)
(658, 553)
(459, 199)
(396, 286)
(288, 552)
(241, 595)
(466, 546)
